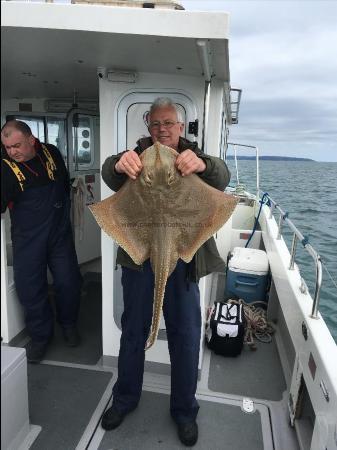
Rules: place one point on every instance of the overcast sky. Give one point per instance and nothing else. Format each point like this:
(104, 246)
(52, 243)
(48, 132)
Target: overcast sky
(283, 55)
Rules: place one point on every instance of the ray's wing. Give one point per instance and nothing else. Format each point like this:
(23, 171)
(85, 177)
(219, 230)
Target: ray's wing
(205, 211)
(123, 216)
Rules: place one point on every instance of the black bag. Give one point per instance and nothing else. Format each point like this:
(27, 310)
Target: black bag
(225, 329)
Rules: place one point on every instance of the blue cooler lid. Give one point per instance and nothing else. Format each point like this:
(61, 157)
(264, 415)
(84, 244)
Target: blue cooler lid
(249, 260)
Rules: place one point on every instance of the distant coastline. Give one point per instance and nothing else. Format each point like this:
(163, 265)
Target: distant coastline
(271, 158)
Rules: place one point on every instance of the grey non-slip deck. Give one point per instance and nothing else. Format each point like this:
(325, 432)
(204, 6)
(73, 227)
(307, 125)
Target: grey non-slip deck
(256, 374)
(90, 329)
(62, 401)
(221, 426)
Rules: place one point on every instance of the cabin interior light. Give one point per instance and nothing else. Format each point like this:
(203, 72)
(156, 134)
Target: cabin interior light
(122, 76)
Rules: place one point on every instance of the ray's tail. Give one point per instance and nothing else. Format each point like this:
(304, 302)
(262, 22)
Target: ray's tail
(162, 271)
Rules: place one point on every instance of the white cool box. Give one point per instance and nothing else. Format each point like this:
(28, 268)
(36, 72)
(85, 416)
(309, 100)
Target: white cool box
(247, 274)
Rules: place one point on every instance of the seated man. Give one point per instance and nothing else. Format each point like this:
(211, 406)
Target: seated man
(182, 300)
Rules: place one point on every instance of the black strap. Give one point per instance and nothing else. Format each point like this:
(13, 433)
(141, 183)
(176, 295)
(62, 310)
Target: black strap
(227, 315)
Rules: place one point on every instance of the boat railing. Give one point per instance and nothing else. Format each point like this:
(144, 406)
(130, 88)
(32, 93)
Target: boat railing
(298, 237)
(284, 219)
(235, 145)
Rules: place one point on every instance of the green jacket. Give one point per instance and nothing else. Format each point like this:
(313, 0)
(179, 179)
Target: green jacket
(216, 174)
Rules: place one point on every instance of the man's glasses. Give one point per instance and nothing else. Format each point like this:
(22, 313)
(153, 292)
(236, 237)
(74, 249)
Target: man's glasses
(166, 124)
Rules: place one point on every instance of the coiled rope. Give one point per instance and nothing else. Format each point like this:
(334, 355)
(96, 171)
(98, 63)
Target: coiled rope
(257, 325)
(240, 189)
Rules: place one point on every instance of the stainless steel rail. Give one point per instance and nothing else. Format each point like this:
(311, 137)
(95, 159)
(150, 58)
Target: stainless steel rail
(298, 236)
(257, 164)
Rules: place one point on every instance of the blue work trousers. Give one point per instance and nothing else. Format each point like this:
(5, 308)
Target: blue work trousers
(42, 237)
(183, 326)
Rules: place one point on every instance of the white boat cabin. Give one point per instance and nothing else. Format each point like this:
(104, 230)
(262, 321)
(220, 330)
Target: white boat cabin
(86, 87)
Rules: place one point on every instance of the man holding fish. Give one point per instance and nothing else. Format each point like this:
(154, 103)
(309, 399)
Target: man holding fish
(181, 303)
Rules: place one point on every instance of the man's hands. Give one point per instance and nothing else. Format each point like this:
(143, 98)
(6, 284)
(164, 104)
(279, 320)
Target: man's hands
(130, 164)
(187, 162)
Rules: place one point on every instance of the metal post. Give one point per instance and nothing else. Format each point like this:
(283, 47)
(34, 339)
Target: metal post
(293, 251)
(236, 166)
(314, 312)
(280, 223)
(257, 174)
(257, 165)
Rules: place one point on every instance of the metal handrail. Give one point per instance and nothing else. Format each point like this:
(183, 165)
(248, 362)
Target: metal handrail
(257, 164)
(312, 252)
(297, 235)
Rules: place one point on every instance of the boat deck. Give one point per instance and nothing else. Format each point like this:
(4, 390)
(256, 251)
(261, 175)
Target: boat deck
(70, 389)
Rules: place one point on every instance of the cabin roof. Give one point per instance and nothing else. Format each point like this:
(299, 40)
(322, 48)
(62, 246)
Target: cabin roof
(49, 49)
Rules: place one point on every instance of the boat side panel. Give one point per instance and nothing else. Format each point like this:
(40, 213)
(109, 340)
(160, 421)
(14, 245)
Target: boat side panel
(318, 353)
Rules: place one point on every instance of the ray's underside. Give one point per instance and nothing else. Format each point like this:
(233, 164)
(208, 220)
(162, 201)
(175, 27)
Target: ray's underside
(163, 216)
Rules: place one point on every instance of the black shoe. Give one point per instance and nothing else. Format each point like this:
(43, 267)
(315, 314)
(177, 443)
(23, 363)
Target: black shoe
(112, 419)
(35, 351)
(71, 337)
(188, 433)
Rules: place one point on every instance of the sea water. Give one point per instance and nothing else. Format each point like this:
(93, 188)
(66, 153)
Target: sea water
(307, 190)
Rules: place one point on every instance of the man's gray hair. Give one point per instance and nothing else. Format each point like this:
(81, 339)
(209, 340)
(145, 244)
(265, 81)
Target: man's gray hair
(166, 102)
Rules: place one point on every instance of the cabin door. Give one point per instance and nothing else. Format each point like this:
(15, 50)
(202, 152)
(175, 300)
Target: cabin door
(84, 170)
(132, 115)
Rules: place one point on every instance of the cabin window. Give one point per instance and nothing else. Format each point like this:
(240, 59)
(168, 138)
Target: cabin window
(136, 122)
(132, 116)
(56, 134)
(50, 130)
(36, 124)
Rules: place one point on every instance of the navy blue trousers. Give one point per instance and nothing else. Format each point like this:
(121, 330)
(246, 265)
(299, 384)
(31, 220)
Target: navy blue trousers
(183, 326)
(42, 237)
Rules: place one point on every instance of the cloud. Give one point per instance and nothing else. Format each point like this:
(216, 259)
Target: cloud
(286, 60)
(283, 57)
